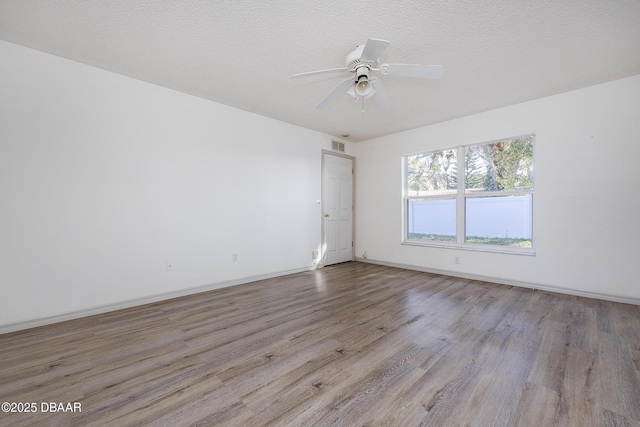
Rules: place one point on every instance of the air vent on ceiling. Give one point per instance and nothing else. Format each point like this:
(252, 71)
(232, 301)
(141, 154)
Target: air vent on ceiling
(339, 146)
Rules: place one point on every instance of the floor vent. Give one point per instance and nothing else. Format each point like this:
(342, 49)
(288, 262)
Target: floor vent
(338, 146)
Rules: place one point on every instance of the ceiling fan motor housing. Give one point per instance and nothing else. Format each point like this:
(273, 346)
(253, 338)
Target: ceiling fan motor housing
(354, 59)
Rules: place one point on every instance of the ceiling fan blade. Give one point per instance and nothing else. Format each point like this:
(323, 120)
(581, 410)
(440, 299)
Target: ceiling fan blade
(382, 98)
(336, 92)
(373, 49)
(412, 70)
(313, 73)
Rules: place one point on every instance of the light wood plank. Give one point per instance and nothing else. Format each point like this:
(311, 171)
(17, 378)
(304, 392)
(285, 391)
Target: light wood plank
(618, 379)
(350, 344)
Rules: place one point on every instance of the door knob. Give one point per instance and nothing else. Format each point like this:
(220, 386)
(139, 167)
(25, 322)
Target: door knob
(326, 215)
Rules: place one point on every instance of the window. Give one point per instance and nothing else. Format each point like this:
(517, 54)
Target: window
(485, 202)
(431, 202)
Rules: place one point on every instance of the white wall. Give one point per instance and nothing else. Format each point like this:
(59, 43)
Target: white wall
(104, 178)
(587, 192)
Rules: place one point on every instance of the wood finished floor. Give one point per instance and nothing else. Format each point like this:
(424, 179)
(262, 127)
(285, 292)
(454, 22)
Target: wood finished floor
(348, 345)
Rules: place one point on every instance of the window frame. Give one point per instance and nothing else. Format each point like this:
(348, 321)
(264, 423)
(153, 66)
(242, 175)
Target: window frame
(461, 196)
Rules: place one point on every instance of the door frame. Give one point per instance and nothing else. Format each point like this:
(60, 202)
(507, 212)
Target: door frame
(323, 239)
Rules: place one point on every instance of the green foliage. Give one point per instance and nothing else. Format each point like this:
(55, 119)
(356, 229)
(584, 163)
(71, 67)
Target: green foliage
(477, 240)
(431, 237)
(432, 171)
(500, 241)
(500, 166)
(473, 175)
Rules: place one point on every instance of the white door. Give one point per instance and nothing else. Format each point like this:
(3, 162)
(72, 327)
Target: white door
(337, 205)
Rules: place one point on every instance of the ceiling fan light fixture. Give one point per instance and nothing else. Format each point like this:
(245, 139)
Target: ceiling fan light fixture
(363, 86)
(356, 96)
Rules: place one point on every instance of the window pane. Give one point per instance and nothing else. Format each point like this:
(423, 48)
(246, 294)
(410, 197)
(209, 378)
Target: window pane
(504, 221)
(431, 174)
(500, 166)
(431, 220)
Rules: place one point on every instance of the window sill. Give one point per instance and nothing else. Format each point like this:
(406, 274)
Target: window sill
(475, 248)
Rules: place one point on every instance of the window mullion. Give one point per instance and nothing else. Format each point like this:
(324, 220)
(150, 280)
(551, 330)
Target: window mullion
(460, 197)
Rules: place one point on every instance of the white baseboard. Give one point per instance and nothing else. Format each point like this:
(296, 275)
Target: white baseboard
(47, 320)
(574, 292)
(56, 318)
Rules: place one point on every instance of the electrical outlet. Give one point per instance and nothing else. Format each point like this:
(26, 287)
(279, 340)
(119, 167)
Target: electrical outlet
(234, 257)
(169, 265)
(456, 260)
(314, 255)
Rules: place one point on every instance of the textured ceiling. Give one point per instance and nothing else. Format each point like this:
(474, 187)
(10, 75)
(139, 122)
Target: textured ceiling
(242, 53)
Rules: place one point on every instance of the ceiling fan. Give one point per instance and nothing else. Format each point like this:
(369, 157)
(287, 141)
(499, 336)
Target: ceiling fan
(361, 63)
